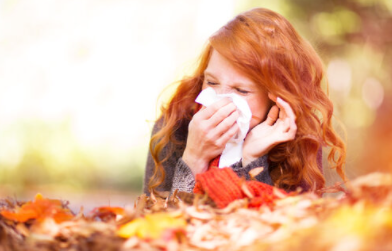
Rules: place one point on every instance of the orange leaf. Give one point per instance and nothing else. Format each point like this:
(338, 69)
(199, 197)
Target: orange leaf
(114, 210)
(40, 209)
(22, 216)
(107, 213)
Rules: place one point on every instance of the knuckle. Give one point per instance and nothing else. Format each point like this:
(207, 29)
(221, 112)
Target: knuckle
(201, 128)
(228, 123)
(293, 129)
(204, 131)
(221, 115)
(232, 133)
(209, 137)
(217, 144)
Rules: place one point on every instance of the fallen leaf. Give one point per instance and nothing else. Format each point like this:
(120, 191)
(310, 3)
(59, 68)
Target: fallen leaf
(152, 226)
(38, 210)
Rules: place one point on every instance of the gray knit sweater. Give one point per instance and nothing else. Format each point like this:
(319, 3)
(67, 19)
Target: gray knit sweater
(179, 175)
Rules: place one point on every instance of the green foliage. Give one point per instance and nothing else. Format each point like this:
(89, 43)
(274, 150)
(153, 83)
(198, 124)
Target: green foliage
(48, 153)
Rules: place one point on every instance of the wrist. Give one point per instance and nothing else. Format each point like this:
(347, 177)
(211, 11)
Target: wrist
(246, 160)
(249, 154)
(196, 164)
(249, 158)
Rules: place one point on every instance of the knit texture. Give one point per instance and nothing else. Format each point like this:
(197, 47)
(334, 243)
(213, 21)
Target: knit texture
(223, 186)
(179, 176)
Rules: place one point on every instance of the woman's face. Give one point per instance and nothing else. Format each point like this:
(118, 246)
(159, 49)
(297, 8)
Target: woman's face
(221, 75)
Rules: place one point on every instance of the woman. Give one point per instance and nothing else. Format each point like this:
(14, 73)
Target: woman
(259, 56)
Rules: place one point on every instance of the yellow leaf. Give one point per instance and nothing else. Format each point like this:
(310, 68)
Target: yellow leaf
(131, 228)
(151, 227)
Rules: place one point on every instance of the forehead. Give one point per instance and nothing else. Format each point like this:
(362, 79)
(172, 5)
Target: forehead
(224, 71)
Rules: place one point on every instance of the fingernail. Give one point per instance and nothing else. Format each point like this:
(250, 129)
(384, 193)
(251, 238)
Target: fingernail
(278, 99)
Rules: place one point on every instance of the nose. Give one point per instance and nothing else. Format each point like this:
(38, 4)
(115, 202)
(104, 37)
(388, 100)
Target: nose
(223, 90)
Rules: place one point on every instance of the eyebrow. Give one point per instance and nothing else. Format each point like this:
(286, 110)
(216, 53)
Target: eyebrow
(207, 73)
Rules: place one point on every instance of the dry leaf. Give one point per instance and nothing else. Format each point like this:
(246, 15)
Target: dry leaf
(40, 209)
(152, 226)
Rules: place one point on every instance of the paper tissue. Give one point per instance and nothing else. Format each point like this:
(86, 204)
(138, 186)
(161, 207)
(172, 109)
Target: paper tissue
(233, 149)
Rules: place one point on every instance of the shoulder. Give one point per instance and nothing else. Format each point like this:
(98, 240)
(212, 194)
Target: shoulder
(158, 125)
(180, 131)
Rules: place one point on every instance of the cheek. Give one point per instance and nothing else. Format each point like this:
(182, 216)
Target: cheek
(203, 86)
(259, 111)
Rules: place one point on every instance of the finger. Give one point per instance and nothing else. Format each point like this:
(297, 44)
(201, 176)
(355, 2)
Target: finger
(273, 115)
(221, 114)
(293, 130)
(290, 132)
(285, 109)
(272, 97)
(282, 125)
(222, 141)
(209, 111)
(227, 123)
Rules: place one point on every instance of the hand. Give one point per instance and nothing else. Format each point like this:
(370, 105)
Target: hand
(209, 131)
(279, 127)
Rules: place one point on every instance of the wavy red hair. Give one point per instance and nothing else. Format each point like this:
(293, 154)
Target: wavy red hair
(267, 49)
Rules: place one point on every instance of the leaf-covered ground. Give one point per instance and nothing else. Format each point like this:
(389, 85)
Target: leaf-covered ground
(359, 219)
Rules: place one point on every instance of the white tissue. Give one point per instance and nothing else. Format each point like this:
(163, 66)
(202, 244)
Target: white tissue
(233, 149)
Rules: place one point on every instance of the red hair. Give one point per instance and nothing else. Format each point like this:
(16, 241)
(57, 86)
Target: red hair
(265, 47)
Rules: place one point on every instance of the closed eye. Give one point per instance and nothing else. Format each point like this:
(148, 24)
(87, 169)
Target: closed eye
(211, 83)
(241, 91)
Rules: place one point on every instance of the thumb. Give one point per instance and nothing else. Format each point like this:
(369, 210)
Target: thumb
(273, 115)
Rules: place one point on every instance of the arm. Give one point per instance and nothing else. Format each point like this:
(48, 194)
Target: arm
(208, 133)
(168, 166)
(183, 178)
(149, 170)
(204, 141)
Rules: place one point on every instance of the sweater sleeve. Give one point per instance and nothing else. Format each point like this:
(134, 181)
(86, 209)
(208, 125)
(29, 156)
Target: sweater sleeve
(183, 179)
(178, 175)
(169, 165)
(149, 170)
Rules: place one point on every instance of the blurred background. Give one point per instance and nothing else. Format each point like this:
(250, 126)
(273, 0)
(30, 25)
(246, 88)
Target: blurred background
(80, 81)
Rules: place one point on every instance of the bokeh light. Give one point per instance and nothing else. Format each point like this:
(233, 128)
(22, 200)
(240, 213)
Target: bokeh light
(373, 93)
(80, 80)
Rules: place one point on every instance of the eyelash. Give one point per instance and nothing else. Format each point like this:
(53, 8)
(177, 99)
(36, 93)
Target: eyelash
(211, 83)
(241, 91)
(237, 89)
